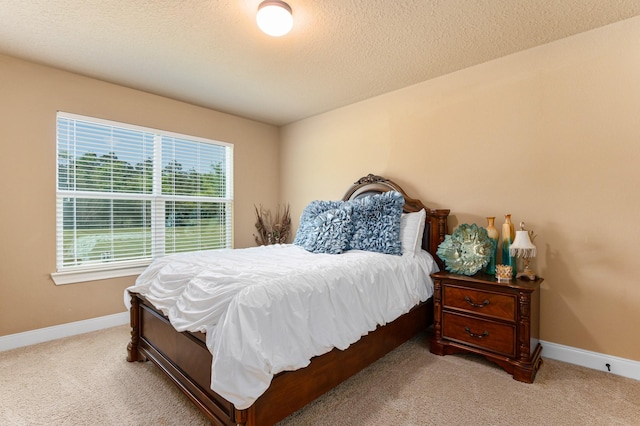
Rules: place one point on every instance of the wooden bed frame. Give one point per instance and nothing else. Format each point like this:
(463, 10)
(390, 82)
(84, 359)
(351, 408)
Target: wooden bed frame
(185, 359)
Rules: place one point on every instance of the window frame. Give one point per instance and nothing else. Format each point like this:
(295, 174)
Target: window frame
(122, 268)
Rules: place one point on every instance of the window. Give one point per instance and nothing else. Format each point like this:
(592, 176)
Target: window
(128, 194)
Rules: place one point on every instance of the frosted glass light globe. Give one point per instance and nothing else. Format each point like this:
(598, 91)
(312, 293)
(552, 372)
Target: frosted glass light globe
(274, 18)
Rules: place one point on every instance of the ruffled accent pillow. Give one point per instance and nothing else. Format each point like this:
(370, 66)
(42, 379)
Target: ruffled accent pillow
(331, 231)
(370, 223)
(304, 235)
(376, 223)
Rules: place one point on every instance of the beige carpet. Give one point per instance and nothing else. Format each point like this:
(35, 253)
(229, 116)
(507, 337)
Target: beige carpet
(85, 380)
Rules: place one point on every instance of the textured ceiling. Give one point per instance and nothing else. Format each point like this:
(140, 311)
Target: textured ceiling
(211, 53)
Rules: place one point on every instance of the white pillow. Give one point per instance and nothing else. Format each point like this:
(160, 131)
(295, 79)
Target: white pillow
(411, 230)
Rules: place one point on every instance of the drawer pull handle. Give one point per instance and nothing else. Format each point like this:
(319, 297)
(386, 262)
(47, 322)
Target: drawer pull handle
(477, 336)
(476, 305)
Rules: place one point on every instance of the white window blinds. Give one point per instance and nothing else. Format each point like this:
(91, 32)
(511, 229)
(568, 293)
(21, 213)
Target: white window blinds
(127, 194)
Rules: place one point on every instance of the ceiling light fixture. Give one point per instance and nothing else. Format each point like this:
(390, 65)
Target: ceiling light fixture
(274, 17)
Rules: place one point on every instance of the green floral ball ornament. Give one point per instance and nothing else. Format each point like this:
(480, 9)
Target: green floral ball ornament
(467, 250)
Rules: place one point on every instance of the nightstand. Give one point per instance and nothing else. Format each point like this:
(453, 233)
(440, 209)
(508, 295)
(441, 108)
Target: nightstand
(496, 320)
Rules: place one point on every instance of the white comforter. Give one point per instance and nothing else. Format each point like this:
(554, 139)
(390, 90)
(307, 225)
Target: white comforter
(272, 308)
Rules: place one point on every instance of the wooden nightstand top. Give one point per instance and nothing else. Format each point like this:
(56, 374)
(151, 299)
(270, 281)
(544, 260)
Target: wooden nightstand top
(482, 278)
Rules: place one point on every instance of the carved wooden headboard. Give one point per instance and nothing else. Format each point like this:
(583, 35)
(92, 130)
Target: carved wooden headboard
(436, 223)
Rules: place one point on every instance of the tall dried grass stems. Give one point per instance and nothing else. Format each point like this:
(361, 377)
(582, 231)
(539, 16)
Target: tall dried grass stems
(272, 230)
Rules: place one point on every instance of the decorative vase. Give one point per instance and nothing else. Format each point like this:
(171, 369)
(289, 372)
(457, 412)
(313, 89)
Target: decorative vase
(508, 235)
(493, 233)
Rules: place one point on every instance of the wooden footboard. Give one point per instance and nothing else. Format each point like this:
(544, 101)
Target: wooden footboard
(185, 358)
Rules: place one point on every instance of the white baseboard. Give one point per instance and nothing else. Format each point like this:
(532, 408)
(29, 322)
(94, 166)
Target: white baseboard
(18, 340)
(597, 361)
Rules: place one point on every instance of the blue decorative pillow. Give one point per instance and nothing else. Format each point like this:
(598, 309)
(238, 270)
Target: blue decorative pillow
(331, 231)
(376, 223)
(304, 236)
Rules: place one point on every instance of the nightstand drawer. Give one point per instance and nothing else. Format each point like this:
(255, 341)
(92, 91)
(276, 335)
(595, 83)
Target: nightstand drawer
(493, 336)
(486, 303)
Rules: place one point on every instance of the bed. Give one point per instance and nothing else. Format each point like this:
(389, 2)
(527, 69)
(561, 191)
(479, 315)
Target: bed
(185, 357)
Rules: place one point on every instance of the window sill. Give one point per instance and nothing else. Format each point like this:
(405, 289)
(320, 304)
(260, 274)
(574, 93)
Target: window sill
(73, 277)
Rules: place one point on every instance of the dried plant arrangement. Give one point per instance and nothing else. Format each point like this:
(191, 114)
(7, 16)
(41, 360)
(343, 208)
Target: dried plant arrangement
(272, 230)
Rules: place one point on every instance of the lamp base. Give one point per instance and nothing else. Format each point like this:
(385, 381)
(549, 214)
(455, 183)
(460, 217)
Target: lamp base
(527, 274)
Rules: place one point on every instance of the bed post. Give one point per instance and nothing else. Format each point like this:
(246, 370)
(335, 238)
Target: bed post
(241, 417)
(132, 347)
(441, 217)
(437, 219)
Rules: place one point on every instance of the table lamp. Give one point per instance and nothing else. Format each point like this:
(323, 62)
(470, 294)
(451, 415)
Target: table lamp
(522, 247)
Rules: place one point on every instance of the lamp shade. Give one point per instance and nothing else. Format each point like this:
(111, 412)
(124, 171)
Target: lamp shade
(522, 245)
(274, 18)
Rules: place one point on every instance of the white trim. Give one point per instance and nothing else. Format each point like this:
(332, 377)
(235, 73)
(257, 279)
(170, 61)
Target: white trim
(597, 361)
(137, 128)
(18, 340)
(72, 277)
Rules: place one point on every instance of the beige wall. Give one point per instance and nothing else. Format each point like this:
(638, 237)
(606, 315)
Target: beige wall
(30, 95)
(550, 135)
(564, 117)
